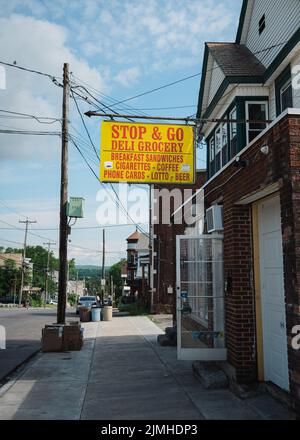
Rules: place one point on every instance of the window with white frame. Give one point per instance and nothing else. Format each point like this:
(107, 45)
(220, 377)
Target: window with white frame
(218, 140)
(211, 149)
(224, 143)
(286, 95)
(218, 149)
(257, 114)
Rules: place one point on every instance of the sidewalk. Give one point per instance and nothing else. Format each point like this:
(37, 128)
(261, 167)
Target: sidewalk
(121, 373)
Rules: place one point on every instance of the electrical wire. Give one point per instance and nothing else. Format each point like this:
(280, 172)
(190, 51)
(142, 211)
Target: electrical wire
(117, 201)
(191, 76)
(29, 116)
(30, 132)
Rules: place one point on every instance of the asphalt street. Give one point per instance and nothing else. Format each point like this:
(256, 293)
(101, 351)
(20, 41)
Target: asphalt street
(23, 334)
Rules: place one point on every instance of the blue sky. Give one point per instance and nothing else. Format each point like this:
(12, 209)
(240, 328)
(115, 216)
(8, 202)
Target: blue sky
(118, 47)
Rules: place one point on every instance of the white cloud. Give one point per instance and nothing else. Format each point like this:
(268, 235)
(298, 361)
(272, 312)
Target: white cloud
(139, 33)
(40, 45)
(128, 77)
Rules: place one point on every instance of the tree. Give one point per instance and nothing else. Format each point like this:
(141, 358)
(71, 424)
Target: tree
(115, 273)
(72, 270)
(38, 256)
(10, 278)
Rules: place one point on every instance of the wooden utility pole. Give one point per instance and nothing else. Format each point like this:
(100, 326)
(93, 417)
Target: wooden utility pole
(49, 244)
(103, 266)
(27, 222)
(112, 290)
(63, 227)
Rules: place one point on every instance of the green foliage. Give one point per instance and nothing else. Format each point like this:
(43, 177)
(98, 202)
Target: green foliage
(115, 273)
(133, 309)
(35, 302)
(10, 278)
(39, 257)
(72, 299)
(72, 270)
(89, 272)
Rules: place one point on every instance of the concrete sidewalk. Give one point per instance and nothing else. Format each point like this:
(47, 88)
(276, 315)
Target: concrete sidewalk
(121, 373)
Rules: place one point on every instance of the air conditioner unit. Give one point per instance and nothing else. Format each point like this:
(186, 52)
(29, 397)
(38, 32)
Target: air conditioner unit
(214, 218)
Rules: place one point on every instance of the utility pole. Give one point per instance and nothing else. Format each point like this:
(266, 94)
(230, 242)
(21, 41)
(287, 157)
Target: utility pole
(27, 222)
(103, 266)
(15, 289)
(151, 246)
(112, 290)
(49, 244)
(63, 227)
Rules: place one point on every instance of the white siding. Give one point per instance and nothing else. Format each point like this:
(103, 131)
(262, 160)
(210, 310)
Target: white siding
(217, 77)
(243, 90)
(272, 102)
(282, 21)
(296, 91)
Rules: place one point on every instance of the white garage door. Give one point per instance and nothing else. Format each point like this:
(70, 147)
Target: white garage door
(272, 294)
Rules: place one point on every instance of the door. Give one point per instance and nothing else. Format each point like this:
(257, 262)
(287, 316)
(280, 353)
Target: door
(272, 293)
(200, 298)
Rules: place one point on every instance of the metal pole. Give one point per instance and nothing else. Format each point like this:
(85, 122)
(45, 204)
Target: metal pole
(103, 265)
(151, 247)
(47, 270)
(15, 289)
(63, 228)
(172, 118)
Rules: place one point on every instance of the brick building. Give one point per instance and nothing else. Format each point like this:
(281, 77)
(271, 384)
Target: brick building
(164, 249)
(253, 158)
(137, 266)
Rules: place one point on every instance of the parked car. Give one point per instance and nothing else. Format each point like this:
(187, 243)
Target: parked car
(53, 301)
(86, 301)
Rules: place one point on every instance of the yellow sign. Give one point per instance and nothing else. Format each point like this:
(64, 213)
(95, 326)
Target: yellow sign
(147, 153)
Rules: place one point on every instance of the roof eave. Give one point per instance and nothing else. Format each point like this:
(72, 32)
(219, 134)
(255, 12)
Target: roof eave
(241, 22)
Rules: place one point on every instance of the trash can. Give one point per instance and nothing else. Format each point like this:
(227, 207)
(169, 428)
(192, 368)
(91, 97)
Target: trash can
(96, 314)
(107, 313)
(84, 314)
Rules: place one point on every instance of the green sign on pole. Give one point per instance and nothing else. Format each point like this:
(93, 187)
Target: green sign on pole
(75, 207)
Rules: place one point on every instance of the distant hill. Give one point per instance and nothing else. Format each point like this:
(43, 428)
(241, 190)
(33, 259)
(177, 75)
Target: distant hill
(89, 270)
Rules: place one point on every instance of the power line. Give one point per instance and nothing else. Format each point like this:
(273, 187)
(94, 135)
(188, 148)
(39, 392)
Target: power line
(84, 124)
(31, 132)
(118, 202)
(162, 108)
(29, 116)
(191, 76)
(158, 88)
(22, 229)
(11, 210)
(38, 72)
(102, 95)
(83, 227)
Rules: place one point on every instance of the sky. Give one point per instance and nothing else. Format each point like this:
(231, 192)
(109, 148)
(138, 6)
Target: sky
(116, 49)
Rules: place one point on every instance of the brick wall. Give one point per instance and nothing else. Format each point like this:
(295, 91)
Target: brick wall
(165, 259)
(282, 165)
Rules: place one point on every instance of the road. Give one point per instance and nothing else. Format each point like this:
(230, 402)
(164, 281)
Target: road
(23, 334)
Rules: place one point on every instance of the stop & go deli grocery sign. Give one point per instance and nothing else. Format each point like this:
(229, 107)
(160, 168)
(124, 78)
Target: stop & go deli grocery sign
(147, 153)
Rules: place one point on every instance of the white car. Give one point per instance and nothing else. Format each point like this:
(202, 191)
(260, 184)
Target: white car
(86, 301)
